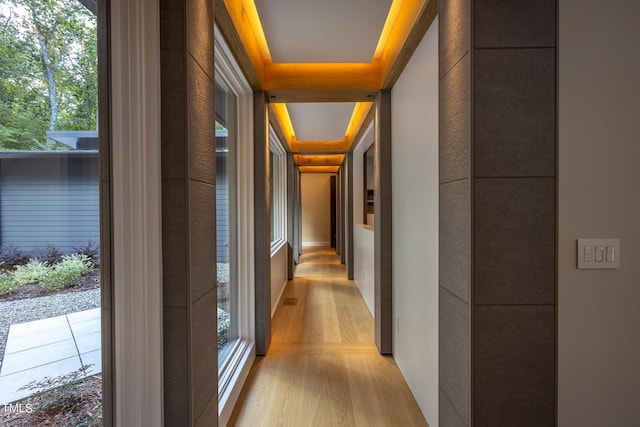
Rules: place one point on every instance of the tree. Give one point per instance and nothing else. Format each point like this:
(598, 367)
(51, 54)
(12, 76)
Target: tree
(48, 79)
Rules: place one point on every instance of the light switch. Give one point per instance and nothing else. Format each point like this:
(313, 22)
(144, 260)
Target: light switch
(598, 254)
(588, 254)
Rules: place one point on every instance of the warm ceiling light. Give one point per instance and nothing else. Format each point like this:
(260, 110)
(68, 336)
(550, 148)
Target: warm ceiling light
(388, 26)
(319, 160)
(283, 118)
(318, 169)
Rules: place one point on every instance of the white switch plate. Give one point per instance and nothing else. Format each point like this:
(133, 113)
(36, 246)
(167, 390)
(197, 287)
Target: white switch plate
(598, 254)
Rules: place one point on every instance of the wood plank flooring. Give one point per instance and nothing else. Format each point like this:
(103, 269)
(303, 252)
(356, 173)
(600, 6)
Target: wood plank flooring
(323, 368)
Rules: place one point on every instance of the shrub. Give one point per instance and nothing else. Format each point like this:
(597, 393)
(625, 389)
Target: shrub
(91, 250)
(50, 254)
(67, 273)
(10, 256)
(7, 284)
(32, 272)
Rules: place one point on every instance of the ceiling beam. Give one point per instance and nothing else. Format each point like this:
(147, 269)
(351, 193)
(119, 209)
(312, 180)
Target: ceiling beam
(412, 23)
(319, 169)
(319, 160)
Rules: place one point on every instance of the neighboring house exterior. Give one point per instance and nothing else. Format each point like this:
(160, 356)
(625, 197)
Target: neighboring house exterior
(49, 198)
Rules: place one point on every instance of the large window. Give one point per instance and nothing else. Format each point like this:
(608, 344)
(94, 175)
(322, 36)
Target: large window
(234, 227)
(278, 179)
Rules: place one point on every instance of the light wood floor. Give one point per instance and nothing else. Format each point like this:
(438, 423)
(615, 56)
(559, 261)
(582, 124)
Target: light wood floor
(323, 368)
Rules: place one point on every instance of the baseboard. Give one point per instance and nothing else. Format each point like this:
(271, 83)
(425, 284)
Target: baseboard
(316, 244)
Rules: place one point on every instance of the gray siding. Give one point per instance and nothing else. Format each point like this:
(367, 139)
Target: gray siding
(49, 201)
(223, 237)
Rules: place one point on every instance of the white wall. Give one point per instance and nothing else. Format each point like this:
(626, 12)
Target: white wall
(279, 272)
(414, 106)
(599, 196)
(363, 238)
(316, 209)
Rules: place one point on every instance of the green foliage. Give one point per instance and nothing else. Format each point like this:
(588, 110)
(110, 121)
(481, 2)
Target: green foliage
(35, 271)
(7, 284)
(48, 71)
(67, 273)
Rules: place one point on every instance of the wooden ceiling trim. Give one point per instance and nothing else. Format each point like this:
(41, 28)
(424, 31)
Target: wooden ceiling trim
(320, 147)
(236, 27)
(359, 116)
(322, 95)
(412, 23)
(275, 123)
(319, 160)
(362, 129)
(364, 77)
(284, 121)
(319, 169)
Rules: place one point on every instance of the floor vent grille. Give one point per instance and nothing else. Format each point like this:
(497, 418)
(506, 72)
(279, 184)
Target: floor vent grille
(290, 301)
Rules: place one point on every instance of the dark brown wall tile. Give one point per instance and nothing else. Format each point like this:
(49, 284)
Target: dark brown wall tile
(515, 112)
(455, 123)
(174, 243)
(176, 366)
(514, 366)
(173, 114)
(204, 344)
(200, 33)
(455, 236)
(454, 351)
(514, 241)
(447, 414)
(453, 36)
(508, 23)
(209, 417)
(201, 114)
(202, 238)
(172, 20)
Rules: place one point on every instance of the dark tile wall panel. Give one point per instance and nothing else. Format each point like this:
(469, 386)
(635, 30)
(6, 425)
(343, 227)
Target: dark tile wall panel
(174, 247)
(508, 23)
(454, 352)
(455, 235)
(202, 241)
(262, 234)
(176, 366)
(201, 123)
(448, 415)
(383, 256)
(455, 122)
(514, 119)
(514, 241)
(453, 33)
(514, 366)
(204, 357)
(455, 151)
(200, 33)
(188, 207)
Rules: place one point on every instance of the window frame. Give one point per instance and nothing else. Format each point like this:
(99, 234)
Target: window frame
(278, 205)
(233, 372)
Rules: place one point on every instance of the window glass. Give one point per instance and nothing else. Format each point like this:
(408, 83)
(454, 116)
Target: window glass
(226, 144)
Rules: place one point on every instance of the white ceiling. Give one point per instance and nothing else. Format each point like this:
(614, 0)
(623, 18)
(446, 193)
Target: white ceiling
(325, 121)
(301, 31)
(322, 31)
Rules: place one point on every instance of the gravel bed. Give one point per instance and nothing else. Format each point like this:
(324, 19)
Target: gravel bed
(27, 310)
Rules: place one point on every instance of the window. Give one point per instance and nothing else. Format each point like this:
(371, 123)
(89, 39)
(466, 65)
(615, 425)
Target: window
(234, 227)
(278, 169)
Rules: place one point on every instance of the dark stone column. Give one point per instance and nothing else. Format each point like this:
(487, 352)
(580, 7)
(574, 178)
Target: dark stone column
(497, 213)
(262, 230)
(383, 255)
(188, 213)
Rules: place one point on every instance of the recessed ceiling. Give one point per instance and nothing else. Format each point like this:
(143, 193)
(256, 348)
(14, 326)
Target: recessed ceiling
(326, 121)
(322, 31)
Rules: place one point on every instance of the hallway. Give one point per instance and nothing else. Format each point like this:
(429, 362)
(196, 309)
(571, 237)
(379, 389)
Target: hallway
(323, 367)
